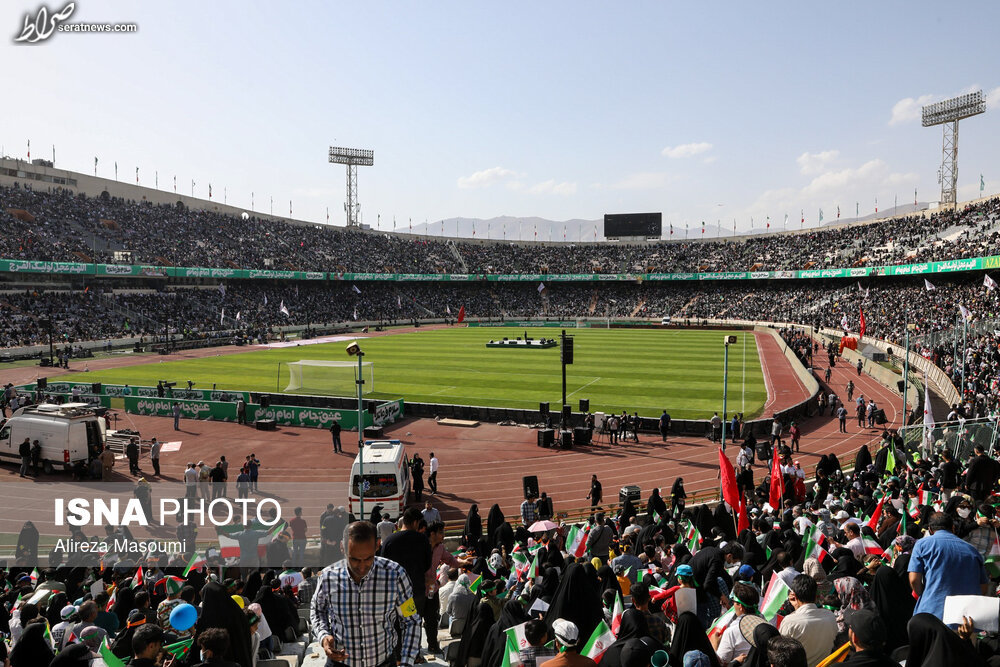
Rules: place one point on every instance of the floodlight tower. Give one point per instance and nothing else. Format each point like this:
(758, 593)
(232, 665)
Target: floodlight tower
(948, 113)
(353, 158)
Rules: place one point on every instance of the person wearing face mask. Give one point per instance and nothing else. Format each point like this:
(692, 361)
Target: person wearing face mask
(214, 643)
(942, 564)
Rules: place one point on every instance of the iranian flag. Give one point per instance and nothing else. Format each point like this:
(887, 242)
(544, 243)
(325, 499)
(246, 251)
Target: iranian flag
(34, 577)
(616, 614)
(721, 623)
(912, 509)
(651, 578)
(814, 550)
(110, 659)
(474, 586)
(112, 600)
(180, 649)
(137, 579)
(993, 557)
(924, 497)
(599, 641)
(229, 546)
(533, 570)
(693, 538)
(576, 541)
(511, 655)
(871, 546)
(516, 638)
(774, 597)
(520, 562)
(197, 561)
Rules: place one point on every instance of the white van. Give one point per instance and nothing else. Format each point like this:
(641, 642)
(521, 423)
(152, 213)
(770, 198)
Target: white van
(386, 481)
(66, 432)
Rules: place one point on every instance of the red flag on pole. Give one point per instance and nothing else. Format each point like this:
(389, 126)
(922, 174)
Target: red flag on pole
(461, 314)
(862, 318)
(743, 522)
(777, 482)
(730, 492)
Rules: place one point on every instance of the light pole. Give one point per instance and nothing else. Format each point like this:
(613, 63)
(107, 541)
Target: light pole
(906, 374)
(727, 341)
(355, 350)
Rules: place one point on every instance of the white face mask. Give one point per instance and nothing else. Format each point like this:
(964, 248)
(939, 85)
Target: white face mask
(964, 513)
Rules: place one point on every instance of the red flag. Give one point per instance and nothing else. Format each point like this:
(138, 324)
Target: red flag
(777, 482)
(863, 323)
(730, 492)
(743, 521)
(877, 514)
(461, 314)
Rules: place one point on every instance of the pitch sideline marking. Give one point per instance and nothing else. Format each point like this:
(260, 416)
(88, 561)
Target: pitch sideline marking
(583, 387)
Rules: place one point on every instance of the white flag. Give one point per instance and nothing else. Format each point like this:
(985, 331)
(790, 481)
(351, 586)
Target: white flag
(989, 282)
(399, 301)
(541, 286)
(355, 288)
(265, 299)
(355, 313)
(282, 308)
(222, 317)
(222, 289)
(843, 322)
(928, 285)
(238, 315)
(928, 414)
(447, 309)
(966, 313)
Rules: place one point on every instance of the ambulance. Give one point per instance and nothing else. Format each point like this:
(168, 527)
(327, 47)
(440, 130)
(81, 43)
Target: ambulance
(386, 479)
(66, 432)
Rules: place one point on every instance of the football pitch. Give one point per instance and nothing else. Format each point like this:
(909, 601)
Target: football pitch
(644, 370)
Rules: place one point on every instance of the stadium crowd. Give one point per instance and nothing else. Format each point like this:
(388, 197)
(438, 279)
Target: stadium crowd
(59, 225)
(856, 566)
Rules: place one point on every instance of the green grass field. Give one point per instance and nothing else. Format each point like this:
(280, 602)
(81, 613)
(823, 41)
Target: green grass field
(643, 369)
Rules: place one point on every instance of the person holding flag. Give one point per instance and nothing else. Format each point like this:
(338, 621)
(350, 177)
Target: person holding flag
(567, 639)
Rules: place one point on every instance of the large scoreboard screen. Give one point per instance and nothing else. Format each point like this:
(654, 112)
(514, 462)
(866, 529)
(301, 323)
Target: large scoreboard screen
(646, 225)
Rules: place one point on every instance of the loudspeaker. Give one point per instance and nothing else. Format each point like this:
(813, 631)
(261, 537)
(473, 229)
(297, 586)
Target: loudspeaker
(42, 383)
(566, 439)
(900, 385)
(546, 436)
(567, 350)
(584, 405)
(265, 401)
(567, 412)
(95, 388)
(371, 407)
(880, 417)
(543, 408)
(530, 484)
(581, 436)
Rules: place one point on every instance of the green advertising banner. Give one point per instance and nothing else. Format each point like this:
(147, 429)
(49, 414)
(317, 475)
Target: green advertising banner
(284, 415)
(923, 268)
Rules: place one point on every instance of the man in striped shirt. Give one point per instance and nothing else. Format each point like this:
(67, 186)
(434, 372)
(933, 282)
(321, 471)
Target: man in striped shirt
(359, 601)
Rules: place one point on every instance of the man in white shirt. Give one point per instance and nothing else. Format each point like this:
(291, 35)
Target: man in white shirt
(732, 643)
(191, 481)
(430, 513)
(853, 534)
(432, 478)
(814, 627)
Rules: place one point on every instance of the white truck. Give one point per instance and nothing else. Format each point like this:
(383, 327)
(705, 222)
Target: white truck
(67, 432)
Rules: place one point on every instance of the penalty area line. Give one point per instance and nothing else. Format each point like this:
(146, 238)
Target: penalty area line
(583, 387)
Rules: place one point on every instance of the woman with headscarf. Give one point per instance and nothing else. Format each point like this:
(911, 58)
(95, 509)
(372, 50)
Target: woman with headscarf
(847, 565)
(547, 587)
(53, 612)
(894, 604)
(628, 511)
(655, 507)
(27, 543)
(460, 605)
(122, 644)
(252, 586)
(503, 538)
(275, 609)
(470, 648)
(473, 529)
(124, 603)
(219, 610)
(932, 643)
(757, 656)
(903, 546)
(32, 649)
(74, 655)
(690, 636)
(633, 626)
(609, 582)
(852, 596)
(863, 459)
(677, 496)
(511, 615)
(577, 600)
(493, 521)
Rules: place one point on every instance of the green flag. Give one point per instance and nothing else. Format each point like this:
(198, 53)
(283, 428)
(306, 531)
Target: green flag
(180, 649)
(110, 659)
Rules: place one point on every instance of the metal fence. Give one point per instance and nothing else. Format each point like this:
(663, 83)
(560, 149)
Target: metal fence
(960, 437)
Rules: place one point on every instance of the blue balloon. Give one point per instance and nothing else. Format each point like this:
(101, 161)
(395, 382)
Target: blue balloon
(183, 617)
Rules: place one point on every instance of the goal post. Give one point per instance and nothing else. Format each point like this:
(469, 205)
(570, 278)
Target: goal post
(329, 377)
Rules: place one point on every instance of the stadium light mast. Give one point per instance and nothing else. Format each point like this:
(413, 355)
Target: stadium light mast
(947, 113)
(354, 350)
(353, 158)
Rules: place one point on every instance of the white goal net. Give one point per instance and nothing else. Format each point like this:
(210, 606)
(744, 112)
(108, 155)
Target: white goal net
(337, 378)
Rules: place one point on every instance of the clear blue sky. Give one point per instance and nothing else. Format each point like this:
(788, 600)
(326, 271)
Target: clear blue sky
(553, 109)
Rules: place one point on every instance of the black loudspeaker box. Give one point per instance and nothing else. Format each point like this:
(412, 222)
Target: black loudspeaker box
(546, 437)
(581, 436)
(900, 385)
(567, 412)
(543, 408)
(530, 483)
(566, 439)
(42, 383)
(584, 405)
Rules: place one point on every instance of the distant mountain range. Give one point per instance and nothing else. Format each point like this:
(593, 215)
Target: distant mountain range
(541, 229)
